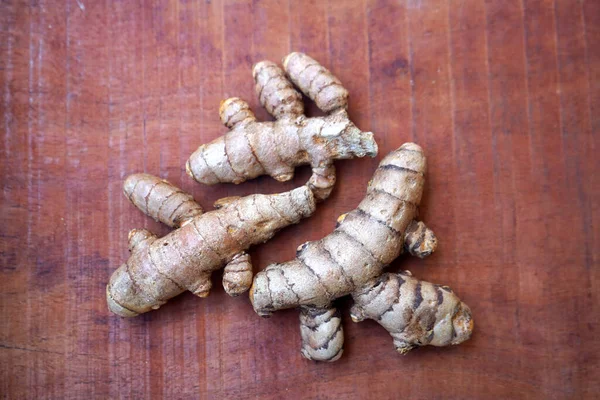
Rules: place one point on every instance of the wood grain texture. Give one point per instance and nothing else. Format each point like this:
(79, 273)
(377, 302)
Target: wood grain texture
(503, 95)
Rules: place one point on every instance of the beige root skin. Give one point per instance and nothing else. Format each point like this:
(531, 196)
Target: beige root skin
(253, 148)
(322, 334)
(316, 82)
(160, 200)
(420, 314)
(237, 276)
(351, 260)
(419, 240)
(161, 268)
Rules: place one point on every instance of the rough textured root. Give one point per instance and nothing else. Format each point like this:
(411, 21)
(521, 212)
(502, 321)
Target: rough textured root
(365, 240)
(159, 269)
(419, 240)
(235, 111)
(351, 260)
(202, 286)
(322, 334)
(237, 277)
(276, 148)
(161, 200)
(322, 181)
(316, 82)
(275, 93)
(414, 312)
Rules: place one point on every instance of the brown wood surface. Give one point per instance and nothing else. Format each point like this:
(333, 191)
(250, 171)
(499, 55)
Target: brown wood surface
(504, 96)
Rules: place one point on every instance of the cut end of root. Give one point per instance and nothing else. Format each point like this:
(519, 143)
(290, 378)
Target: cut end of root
(370, 145)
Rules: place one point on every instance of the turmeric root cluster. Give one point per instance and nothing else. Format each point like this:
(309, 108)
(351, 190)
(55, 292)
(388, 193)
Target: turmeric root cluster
(161, 268)
(275, 148)
(349, 261)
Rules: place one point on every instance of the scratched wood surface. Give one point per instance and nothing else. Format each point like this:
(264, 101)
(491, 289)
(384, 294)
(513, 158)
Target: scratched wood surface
(504, 96)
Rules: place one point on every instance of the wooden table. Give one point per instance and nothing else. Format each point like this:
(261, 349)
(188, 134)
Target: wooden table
(503, 95)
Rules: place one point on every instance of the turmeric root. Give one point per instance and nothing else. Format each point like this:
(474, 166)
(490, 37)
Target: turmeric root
(350, 261)
(159, 269)
(419, 314)
(253, 148)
